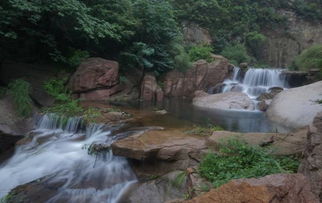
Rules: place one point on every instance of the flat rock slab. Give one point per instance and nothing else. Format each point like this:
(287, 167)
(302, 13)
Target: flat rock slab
(282, 144)
(225, 101)
(167, 145)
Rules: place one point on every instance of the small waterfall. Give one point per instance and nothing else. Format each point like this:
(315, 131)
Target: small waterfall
(59, 155)
(255, 81)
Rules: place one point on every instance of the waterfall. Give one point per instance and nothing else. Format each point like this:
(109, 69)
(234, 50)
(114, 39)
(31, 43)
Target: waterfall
(255, 81)
(58, 154)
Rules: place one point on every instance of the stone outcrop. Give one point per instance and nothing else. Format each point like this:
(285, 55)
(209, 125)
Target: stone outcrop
(283, 45)
(35, 74)
(296, 107)
(311, 165)
(282, 143)
(194, 34)
(201, 76)
(160, 190)
(278, 188)
(150, 90)
(95, 79)
(10, 122)
(225, 101)
(296, 78)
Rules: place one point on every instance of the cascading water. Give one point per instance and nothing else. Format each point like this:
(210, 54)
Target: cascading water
(255, 81)
(58, 152)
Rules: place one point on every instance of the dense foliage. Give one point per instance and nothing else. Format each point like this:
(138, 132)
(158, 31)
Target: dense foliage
(310, 58)
(19, 90)
(200, 52)
(237, 159)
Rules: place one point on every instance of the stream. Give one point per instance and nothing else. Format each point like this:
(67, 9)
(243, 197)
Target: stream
(58, 151)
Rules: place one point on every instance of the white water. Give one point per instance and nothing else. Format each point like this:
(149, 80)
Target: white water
(61, 153)
(255, 82)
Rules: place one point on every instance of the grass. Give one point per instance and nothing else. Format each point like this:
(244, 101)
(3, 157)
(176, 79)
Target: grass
(204, 131)
(3, 92)
(236, 159)
(19, 90)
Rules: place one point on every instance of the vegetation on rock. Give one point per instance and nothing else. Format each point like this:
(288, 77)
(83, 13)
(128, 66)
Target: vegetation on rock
(19, 90)
(237, 159)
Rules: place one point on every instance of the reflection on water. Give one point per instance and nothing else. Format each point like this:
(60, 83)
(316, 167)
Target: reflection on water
(239, 121)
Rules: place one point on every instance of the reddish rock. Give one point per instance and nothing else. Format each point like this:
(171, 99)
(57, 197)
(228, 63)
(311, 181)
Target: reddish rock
(100, 94)
(278, 188)
(150, 91)
(97, 75)
(201, 76)
(311, 165)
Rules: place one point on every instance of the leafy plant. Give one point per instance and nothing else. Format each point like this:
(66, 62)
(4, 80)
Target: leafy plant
(201, 52)
(236, 54)
(236, 159)
(19, 90)
(310, 58)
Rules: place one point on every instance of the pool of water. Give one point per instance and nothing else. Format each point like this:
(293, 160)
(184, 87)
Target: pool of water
(232, 120)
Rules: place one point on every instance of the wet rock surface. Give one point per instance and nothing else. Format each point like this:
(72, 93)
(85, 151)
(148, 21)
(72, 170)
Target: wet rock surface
(277, 188)
(311, 165)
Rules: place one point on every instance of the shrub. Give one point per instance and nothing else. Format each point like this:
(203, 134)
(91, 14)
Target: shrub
(236, 54)
(309, 58)
(200, 52)
(236, 159)
(19, 90)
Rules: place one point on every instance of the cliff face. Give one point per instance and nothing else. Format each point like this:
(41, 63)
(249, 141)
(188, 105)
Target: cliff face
(283, 45)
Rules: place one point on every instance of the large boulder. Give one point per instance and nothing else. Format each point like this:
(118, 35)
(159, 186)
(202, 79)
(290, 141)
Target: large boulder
(311, 165)
(95, 79)
(278, 188)
(225, 101)
(160, 151)
(281, 143)
(150, 90)
(296, 108)
(201, 76)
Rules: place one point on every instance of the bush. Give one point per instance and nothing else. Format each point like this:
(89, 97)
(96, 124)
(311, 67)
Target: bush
(309, 58)
(236, 159)
(236, 54)
(200, 52)
(19, 90)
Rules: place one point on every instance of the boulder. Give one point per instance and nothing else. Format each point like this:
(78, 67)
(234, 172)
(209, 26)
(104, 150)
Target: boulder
(162, 189)
(201, 76)
(311, 165)
(262, 105)
(150, 90)
(281, 143)
(225, 101)
(272, 92)
(296, 107)
(194, 34)
(95, 79)
(277, 188)
(295, 78)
